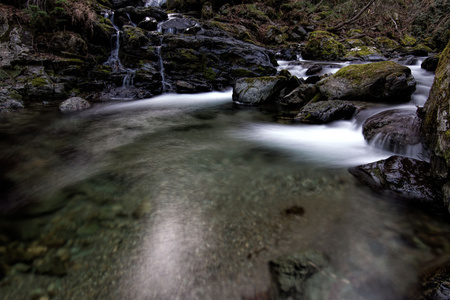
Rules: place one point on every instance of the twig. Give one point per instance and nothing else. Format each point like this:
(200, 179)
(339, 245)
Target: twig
(340, 25)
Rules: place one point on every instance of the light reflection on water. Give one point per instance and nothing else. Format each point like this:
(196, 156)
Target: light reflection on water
(210, 183)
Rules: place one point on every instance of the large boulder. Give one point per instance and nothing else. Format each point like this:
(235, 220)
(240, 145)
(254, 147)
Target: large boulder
(258, 90)
(324, 112)
(323, 45)
(380, 81)
(396, 130)
(402, 178)
(435, 128)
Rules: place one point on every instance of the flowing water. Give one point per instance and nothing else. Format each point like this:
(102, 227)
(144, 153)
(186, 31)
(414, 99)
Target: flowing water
(188, 197)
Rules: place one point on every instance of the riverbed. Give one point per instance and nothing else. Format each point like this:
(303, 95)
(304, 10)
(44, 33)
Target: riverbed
(188, 197)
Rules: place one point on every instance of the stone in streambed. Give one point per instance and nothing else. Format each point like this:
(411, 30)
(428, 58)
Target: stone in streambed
(382, 82)
(402, 178)
(300, 95)
(259, 90)
(74, 104)
(434, 284)
(325, 112)
(395, 130)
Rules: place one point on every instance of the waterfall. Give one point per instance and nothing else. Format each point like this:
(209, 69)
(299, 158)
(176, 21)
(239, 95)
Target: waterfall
(114, 60)
(161, 65)
(129, 19)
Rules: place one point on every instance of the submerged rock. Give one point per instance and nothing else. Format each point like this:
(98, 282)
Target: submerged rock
(434, 284)
(394, 130)
(381, 81)
(74, 104)
(293, 274)
(325, 112)
(403, 178)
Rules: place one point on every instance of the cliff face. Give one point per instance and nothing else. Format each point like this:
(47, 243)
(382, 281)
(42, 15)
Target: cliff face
(436, 124)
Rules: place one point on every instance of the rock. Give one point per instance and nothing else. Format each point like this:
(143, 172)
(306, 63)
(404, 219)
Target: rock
(74, 104)
(435, 127)
(394, 130)
(140, 13)
(177, 25)
(323, 45)
(293, 274)
(300, 95)
(434, 284)
(314, 70)
(381, 81)
(259, 90)
(365, 53)
(63, 42)
(325, 112)
(430, 63)
(7, 105)
(402, 178)
(386, 44)
(408, 41)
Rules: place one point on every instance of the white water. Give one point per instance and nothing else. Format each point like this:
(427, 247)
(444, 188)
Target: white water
(157, 3)
(340, 143)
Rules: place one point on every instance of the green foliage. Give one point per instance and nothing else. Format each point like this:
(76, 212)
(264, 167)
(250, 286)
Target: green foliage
(48, 17)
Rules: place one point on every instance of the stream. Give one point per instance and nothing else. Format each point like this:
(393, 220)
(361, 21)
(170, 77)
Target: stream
(187, 197)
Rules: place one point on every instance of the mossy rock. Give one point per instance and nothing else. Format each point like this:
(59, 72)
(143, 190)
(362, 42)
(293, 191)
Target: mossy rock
(386, 43)
(382, 81)
(323, 45)
(366, 53)
(352, 43)
(408, 41)
(354, 32)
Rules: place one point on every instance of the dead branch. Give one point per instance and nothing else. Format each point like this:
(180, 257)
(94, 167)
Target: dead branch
(356, 17)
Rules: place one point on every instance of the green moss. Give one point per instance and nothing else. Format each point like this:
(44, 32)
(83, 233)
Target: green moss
(239, 73)
(352, 43)
(209, 74)
(408, 41)
(316, 98)
(386, 43)
(15, 96)
(354, 32)
(357, 73)
(323, 45)
(39, 81)
(362, 51)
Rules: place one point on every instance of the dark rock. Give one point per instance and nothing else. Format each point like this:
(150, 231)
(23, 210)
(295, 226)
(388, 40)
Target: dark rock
(394, 130)
(149, 24)
(177, 25)
(258, 90)
(435, 126)
(434, 284)
(8, 105)
(300, 95)
(314, 70)
(140, 13)
(74, 104)
(381, 81)
(402, 178)
(430, 63)
(325, 112)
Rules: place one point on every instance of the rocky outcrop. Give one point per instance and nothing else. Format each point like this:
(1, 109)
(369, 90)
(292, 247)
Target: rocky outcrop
(403, 178)
(324, 112)
(393, 130)
(381, 81)
(435, 128)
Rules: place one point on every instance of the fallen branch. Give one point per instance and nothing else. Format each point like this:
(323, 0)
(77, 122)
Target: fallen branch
(356, 17)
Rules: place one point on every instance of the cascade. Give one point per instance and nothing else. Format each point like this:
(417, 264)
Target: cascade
(161, 66)
(114, 60)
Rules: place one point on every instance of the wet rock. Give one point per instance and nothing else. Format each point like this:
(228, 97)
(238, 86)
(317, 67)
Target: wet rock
(402, 178)
(394, 130)
(430, 63)
(300, 96)
(364, 53)
(434, 284)
(314, 70)
(74, 104)
(8, 105)
(381, 81)
(258, 90)
(140, 13)
(50, 265)
(435, 126)
(177, 25)
(325, 112)
(323, 45)
(293, 274)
